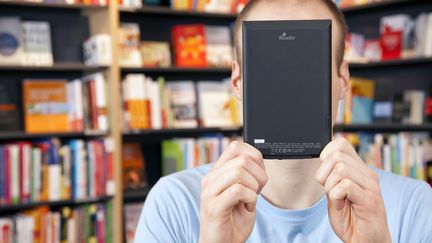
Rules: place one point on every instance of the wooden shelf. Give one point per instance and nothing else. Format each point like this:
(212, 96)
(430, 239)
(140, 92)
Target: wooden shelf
(50, 5)
(175, 70)
(392, 63)
(24, 206)
(378, 5)
(24, 135)
(58, 67)
(157, 135)
(135, 195)
(382, 128)
(167, 11)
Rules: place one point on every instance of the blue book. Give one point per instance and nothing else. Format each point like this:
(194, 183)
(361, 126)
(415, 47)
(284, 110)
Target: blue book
(361, 110)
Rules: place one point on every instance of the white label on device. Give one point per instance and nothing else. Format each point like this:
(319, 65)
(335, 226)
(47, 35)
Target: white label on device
(259, 140)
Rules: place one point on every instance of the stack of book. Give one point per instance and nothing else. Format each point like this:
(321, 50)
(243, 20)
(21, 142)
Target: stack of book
(89, 223)
(194, 45)
(149, 104)
(411, 106)
(407, 154)
(185, 153)
(55, 105)
(25, 42)
(400, 37)
(48, 170)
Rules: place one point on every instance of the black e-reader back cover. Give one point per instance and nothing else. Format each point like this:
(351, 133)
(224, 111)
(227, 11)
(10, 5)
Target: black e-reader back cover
(287, 87)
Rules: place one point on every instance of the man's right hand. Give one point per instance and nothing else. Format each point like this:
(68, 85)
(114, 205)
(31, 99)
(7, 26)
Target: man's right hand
(229, 194)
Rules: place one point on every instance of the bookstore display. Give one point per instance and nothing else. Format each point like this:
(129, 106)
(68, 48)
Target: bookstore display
(149, 104)
(92, 110)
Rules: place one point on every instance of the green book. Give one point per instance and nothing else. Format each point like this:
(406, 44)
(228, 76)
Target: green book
(172, 157)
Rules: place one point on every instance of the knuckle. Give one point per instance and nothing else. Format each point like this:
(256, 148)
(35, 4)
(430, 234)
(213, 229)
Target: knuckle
(346, 184)
(338, 155)
(237, 171)
(340, 169)
(235, 145)
(243, 160)
(237, 189)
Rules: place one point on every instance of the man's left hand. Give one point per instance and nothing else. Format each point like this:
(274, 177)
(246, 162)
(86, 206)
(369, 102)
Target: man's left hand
(355, 205)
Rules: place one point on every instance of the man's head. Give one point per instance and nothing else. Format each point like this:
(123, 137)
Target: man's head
(296, 10)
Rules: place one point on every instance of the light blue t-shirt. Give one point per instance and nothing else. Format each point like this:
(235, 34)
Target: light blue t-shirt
(171, 213)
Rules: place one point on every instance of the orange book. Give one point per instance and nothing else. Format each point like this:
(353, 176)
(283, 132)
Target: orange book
(38, 214)
(132, 166)
(45, 106)
(189, 45)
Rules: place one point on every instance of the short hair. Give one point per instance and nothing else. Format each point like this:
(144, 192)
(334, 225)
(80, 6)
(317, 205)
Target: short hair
(338, 15)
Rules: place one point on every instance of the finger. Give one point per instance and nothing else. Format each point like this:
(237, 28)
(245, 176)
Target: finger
(358, 170)
(237, 148)
(246, 163)
(343, 171)
(346, 189)
(235, 195)
(236, 175)
(339, 144)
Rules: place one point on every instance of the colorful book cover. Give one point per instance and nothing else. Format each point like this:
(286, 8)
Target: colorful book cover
(133, 166)
(45, 106)
(156, 54)
(189, 45)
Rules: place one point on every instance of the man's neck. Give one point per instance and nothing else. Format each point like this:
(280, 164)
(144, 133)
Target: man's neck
(291, 183)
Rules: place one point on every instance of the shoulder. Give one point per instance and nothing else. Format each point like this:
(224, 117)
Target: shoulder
(408, 204)
(171, 210)
(400, 188)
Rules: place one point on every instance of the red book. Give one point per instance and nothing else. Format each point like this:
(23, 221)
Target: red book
(8, 196)
(189, 45)
(391, 44)
(92, 103)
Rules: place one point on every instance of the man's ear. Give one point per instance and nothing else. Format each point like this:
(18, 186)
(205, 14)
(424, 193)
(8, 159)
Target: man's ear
(236, 82)
(344, 77)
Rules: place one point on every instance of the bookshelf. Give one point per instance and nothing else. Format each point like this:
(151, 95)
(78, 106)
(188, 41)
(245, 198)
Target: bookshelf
(58, 67)
(384, 128)
(392, 63)
(23, 4)
(24, 206)
(166, 11)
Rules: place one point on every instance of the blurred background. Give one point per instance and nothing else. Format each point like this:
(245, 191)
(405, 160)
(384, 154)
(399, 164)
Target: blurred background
(100, 98)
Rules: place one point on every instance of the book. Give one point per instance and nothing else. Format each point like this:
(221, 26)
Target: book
(156, 54)
(133, 166)
(189, 43)
(136, 102)
(97, 50)
(214, 104)
(359, 101)
(218, 46)
(186, 153)
(97, 101)
(183, 104)
(75, 104)
(132, 212)
(10, 41)
(396, 39)
(10, 106)
(45, 106)
(36, 42)
(129, 45)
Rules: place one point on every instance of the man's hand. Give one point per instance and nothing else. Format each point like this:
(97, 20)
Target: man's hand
(356, 208)
(229, 193)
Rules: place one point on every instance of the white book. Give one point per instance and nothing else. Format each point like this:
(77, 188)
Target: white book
(101, 101)
(75, 102)
(97, 50)
(213, 103)
(156, 114)
(71, 229)
(54, 178)
(421, 34)
(15, 173)
(183, 104)
(37, 49)
(387, 157)
(428, 41)
(36, 173)
(26, 170)
(11, 41)
(91, 170)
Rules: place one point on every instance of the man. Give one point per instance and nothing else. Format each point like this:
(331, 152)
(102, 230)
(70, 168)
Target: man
(243, 198)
